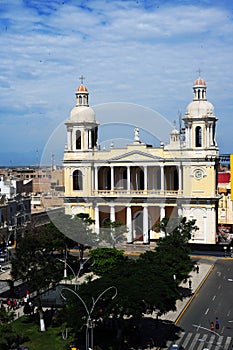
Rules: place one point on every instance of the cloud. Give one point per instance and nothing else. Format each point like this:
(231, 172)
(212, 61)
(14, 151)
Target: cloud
(143, 52)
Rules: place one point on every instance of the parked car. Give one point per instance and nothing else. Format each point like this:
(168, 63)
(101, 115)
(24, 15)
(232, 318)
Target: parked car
(175, 347)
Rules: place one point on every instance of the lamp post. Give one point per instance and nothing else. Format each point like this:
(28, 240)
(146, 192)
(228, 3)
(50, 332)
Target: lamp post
(225, 251)
(89, 324)
(231, 252)
(81, 265)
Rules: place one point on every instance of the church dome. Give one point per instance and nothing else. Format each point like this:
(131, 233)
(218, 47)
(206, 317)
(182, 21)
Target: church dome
(199, 108)
(82, 88)
(82, 114)
(199, 82)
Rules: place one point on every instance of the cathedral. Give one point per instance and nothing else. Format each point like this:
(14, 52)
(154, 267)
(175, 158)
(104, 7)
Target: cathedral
(140, 184)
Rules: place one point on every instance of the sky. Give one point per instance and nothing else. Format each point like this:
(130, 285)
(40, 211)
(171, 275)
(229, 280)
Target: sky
(131, 53)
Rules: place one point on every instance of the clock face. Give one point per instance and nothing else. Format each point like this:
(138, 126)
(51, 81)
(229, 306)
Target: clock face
(198, 174)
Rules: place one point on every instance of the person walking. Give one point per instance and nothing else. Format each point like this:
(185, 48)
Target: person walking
(212, 326)
(217, 324)
(190, 284)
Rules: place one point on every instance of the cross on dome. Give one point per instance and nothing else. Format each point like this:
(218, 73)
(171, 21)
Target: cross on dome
(199, 72)
(82, 78)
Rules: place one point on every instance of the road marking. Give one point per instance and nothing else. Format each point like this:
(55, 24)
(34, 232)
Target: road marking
(230, 279)
(222, 331)
(214, 297)
(209, 330)
(228, 314)
(187, 340)
(219, 287)
(228, 341)
(207, 310)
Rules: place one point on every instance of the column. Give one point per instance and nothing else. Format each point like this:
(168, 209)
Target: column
(129, 224)
(112, 178)
(145, 178)
(96, 178)
(180, 211)
(128, 178)
(97, 220)
(162, 215)
(180, 178)
(162, 177)
(69, 139)
(145, 225)
(112, 213)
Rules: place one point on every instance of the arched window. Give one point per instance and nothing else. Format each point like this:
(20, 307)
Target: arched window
(139, 179)
(80, 100)
(198, 136)
(77, 180)
(78, 139)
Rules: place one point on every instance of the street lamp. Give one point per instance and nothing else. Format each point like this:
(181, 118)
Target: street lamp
(225, 251)
(89, 324)
(81, 265)
(231, 252)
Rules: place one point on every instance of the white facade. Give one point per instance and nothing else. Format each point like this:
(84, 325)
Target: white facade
(139, 185)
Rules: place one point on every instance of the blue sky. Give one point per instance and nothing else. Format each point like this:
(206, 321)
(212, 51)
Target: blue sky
(133, 52)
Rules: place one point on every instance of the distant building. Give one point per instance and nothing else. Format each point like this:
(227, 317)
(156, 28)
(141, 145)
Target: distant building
(15, 218)
(139, 185)
(225, 209)
(45, 185)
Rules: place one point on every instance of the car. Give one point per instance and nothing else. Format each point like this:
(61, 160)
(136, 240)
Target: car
(4, 257)
(175, 347)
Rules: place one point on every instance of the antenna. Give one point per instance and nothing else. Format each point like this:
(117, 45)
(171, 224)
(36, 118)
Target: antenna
(180, 120)
(52, 161)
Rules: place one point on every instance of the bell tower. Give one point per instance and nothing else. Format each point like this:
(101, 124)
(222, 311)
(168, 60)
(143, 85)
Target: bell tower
(200, 120)
(82, 128)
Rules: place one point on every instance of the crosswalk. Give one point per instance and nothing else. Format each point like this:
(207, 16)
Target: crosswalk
(198, 341)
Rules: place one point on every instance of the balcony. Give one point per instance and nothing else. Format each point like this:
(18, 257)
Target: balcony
(137, 193)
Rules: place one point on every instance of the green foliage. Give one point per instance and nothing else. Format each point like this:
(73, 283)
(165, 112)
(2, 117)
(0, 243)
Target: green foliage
(77, 228)
(35, 340)
(172, 251)
(112, 233)
(7, 334)
(105, 259)
(6, 315)
(149, 284)
(34, 263)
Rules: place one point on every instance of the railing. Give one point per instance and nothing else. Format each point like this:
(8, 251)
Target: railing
(137, 193)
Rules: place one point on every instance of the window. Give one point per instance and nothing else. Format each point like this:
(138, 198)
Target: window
(78, 139)
(77, 180)
(198, 136)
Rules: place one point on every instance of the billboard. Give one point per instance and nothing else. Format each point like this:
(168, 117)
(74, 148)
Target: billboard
(231, 170)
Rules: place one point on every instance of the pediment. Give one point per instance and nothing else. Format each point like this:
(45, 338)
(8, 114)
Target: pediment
(135, 156)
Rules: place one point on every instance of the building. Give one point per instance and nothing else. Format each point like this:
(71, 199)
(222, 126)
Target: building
(225, 208)
(44, 184)
(139, 184)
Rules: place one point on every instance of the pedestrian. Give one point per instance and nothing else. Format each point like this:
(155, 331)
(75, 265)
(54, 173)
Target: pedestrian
(212, 326)
(190, 284)
(217, 324)
(197, 269)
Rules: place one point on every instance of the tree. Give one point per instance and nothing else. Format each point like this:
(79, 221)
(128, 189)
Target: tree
(7, 335)
(34, 263)
(112, 233)
(105, 259)
(78, 228)
(173, 250)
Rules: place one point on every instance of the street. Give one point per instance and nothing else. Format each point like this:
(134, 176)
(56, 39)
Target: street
(214, 300)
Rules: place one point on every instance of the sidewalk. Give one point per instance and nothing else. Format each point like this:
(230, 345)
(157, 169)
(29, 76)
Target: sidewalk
(197, 279)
